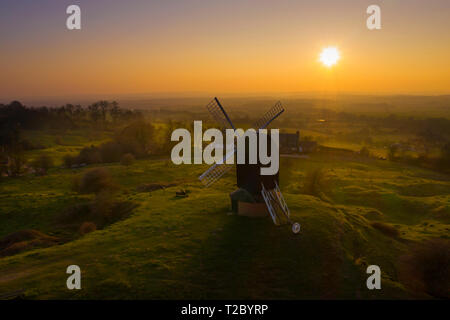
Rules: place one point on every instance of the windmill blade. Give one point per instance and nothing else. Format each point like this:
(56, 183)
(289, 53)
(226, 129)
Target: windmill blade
(216, 171)
(269, 116)
(219, 114)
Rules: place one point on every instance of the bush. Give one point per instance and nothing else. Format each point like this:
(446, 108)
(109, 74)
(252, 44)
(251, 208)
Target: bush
(103, 205)
(94, 181)
(75, 214)
(87, 227)
(427, 268)
(42, 163)
(127, 159)
(16, 163)
(110, 151)
(89, 155)
(386, 229)
(69, 160)
(100, 212)
(24, 240)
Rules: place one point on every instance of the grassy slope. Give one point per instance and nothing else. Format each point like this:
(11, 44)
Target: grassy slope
(58, 144)
(191, 248)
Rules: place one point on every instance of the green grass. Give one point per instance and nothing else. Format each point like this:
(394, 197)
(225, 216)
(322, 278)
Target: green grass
(192, 248)
(59, 144)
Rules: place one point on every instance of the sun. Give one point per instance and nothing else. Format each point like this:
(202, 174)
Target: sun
(329, 56)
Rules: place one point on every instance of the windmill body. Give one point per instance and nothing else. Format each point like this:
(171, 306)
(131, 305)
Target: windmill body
(249, 175)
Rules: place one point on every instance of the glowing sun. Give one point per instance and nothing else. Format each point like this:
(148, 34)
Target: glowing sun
(329, 56)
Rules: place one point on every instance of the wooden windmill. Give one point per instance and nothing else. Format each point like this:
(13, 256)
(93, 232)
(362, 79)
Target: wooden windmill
(263, 188)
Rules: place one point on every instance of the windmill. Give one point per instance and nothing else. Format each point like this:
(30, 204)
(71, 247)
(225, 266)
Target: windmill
(264, 187)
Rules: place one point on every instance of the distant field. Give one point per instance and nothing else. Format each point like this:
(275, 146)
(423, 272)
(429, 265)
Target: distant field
(192, 248)
(58, 144)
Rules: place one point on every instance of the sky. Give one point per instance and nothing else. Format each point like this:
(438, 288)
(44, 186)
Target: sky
(215, 46)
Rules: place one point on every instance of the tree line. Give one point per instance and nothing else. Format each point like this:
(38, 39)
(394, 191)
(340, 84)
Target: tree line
(16, 117)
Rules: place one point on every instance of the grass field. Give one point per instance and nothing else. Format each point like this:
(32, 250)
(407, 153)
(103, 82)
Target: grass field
(193, 248)
(58, 144)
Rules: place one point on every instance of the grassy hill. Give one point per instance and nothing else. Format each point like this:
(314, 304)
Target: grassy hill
(193, 248)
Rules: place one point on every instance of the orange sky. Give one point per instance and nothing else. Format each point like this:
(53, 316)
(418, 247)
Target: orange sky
(223, 47)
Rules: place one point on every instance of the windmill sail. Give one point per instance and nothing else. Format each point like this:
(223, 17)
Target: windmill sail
(216, 171)
(276, 204)
(269, 116)
(219, 114)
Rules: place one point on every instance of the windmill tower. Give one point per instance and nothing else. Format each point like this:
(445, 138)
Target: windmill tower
(264, 187)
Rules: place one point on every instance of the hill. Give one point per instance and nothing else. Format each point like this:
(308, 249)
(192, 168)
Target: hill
(191, 247)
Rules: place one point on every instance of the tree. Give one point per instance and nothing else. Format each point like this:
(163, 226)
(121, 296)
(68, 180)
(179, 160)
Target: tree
(127, 159)
(104, 106)
(115, 111)
(10, 143)
(137, 138)
(94, 112)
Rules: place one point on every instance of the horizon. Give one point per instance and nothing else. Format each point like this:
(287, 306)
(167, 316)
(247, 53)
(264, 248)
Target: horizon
(56, 101)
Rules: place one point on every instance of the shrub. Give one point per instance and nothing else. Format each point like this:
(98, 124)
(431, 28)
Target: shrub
(69, 160)
(101, 211)
(87, 227)
(16, 163)
(89, 155)
(127, 159)
(386, 229)
(23, 235)
(427, 268)
(75, 214)
(110, 151)
(94, 181)
(42, 163)
(103, 205)
(24, 240)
